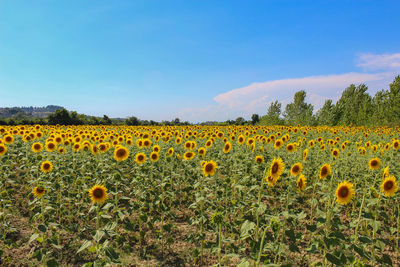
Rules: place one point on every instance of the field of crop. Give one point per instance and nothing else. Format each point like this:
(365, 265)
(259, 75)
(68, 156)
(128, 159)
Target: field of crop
(199, 196)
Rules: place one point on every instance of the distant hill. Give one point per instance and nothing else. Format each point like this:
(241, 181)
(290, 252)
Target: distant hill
(30, 112)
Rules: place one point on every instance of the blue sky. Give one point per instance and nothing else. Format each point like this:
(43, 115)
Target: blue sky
(196, 60)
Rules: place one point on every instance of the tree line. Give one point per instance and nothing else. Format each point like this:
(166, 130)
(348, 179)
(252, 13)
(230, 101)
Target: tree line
(355, 107)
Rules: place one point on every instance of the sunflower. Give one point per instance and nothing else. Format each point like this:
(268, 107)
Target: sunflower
(202, 151)
(241, 139)
(344, 192)
(154, 156)
(259, 159)
(296, 169)
(270, 180)
(278, 144)
(156, 148)
(389, 186)
(146, 142)
(325, 171)
(140, 158)
(77, 146)
(61, 150)
(38, 191)
(46, 166)
(170, 151)
(121, 153)
(290, 147)
(227, 147)
(8, 139)
(188, 145)
(36, 147)
(188, 155)
(209, 168)
(3, 149)
(396, 144)
(335, 152)
(301, 182)
(50, 146)
(276, 169)
(98, 194)
(102, 147)
(374, 163)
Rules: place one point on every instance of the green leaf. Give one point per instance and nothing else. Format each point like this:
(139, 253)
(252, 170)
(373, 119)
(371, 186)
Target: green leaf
(42, 228)
(52, 263)
(312, 228)
(99, 234)
(386, 259)
(246, 228)
(364, 239)
(33, 238)
(84, 246)
(333, 259)
(294, 248)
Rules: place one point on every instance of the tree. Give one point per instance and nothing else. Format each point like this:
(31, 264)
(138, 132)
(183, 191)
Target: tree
(107, 120)
(60, 116)
(273, 113)
(255, 118)
(299, 112)
(354, 106)
(325, 116)
(133, 121)
(240, 121)
(394, 102)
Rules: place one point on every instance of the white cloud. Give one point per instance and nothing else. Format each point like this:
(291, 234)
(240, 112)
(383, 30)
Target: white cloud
(375, 62)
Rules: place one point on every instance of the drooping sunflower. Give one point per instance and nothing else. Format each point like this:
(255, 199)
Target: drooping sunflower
(154, 156)
(38, 191)
(227, 147)
(121, 153)
(301, 182)
(3, 149)
(296, 169)
(37, 147)
(385, 172)
(344, 192)
(209, 168)
(102, 147)
(189, 155)
(374, 163)
(389, 186)
(61, 150)
(276, 169)
(259, 159)
(140, 158)
(305, 154)
(98, 194)
(46, 166)
(325, 171)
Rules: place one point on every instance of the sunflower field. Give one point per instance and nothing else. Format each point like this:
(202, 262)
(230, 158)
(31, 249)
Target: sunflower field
(199, 196)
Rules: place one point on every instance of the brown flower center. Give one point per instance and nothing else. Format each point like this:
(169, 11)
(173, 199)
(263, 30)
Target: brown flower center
(388, 185)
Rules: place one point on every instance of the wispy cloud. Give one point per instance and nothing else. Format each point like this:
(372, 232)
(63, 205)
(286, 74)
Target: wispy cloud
(373, 62)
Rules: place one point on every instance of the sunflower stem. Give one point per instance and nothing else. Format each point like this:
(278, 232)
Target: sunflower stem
(359, 219)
